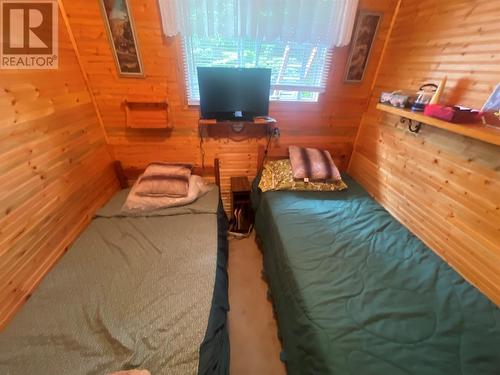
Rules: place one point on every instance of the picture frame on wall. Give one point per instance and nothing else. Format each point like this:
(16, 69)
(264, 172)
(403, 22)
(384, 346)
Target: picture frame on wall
(120, 26)
(491, 109)
(367, 24)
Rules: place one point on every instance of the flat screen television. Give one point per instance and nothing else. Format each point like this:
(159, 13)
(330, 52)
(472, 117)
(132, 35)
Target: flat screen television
(234, 93)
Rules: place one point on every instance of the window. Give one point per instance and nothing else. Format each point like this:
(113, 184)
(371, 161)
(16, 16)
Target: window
(299, 70)
(294, 38)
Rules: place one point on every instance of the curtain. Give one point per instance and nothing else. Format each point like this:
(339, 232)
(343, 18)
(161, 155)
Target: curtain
(169, 17)
(322, 22)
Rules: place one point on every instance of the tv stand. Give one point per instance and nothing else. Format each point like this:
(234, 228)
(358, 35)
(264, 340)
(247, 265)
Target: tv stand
(236, 130)
(261, 120)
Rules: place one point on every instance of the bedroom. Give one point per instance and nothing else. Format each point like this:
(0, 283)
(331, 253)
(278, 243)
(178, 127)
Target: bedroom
(397, 273)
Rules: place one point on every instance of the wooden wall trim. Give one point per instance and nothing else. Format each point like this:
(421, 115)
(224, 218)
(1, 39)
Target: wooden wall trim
(84, 73)
(386, 43)
(379, 65)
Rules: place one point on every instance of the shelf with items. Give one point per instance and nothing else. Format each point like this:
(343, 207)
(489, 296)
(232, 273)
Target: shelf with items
(478, 131)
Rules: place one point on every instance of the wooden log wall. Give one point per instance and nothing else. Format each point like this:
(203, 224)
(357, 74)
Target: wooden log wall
(444, 187)
(55, 170)
(332, 123)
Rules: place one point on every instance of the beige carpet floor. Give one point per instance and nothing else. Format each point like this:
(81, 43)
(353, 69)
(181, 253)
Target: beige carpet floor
(255, 346)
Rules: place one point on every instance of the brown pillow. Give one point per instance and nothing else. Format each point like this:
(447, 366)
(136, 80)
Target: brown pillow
(175, 169)
(137, 204)
(313, 164)
(164, 180)
(163, 186)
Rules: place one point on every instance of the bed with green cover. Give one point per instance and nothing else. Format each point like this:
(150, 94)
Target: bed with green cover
(143, 291)
(356, 293)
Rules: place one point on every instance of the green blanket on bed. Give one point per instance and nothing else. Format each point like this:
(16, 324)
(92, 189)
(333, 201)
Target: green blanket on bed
(132, 292)
(356, 293)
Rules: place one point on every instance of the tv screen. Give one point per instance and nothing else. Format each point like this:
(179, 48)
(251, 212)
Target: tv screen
(234, 93)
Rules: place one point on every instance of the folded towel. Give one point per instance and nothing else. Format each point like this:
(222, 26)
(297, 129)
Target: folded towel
(131, 372)
(313, 164)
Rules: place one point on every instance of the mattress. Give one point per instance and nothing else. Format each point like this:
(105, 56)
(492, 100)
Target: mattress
(356, 293)
(146, 291)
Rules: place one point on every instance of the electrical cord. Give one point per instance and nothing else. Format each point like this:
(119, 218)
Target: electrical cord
(266, 150)
(202, 147)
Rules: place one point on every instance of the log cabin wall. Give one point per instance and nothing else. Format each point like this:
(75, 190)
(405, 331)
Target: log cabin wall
(331, 123)
(55, 170)
(444, 187)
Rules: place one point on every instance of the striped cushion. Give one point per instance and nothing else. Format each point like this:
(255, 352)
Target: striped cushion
(163, 186)
(164, 180)
(313, 164)
(158, 168)
(136, 204)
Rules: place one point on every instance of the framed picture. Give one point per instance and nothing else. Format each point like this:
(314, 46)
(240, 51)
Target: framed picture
(364, 34)
(491, 109)
(120, 26)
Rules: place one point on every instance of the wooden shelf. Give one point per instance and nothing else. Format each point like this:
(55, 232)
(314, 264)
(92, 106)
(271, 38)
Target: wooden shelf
(484, 133)
(147, 114)
(257, 121)
(234, 129)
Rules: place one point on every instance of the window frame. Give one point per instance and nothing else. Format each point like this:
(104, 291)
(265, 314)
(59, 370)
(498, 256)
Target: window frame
(275, 103)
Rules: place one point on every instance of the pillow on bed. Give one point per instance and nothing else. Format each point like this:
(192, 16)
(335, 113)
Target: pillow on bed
(313, 164)
(139, 203)
(164, 180)
(159, 167)
(161, 185)
(277, 175)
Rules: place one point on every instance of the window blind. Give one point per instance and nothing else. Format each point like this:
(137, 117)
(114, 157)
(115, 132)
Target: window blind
(299, 70)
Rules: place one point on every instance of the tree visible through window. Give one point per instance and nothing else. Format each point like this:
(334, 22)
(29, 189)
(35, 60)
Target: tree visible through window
(299, 70)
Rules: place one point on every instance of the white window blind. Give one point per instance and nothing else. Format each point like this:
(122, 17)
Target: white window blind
(299, 69)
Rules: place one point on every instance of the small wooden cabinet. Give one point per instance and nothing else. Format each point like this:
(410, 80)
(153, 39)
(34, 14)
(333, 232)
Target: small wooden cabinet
(242, 213)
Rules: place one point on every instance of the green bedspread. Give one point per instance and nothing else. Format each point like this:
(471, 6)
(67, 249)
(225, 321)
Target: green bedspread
(131, 292)
(356, 293)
